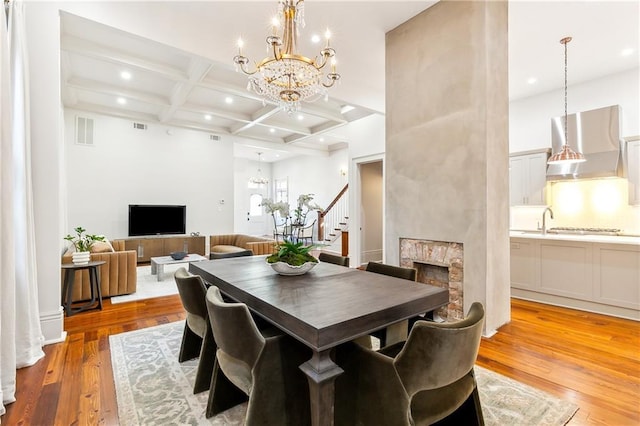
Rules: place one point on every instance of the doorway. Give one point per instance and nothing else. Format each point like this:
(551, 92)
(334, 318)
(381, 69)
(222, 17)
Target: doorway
(366, 223)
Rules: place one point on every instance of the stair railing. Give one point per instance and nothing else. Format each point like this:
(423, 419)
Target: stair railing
(333, 219)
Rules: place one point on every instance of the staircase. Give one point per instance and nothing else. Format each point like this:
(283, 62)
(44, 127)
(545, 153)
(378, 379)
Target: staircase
(333, 221)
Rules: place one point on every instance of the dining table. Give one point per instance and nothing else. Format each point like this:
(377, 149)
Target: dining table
(325, 307)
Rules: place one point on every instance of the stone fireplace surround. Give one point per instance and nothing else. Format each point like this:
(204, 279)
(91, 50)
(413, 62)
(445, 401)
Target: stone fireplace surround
(439, 263)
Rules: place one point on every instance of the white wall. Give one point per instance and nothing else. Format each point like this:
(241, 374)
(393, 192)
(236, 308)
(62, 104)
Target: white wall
(530, 118)
(316, 175)
(130, 166)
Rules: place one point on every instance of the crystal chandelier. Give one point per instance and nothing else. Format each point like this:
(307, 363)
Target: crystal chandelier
(566, 155)
(287, 77)
(259, 179)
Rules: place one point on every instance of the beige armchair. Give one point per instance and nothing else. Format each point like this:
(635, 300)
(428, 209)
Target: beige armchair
(239, 242)
(117, 276)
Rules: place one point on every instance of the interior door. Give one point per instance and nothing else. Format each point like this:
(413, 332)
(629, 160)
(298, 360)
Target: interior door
(256, 217)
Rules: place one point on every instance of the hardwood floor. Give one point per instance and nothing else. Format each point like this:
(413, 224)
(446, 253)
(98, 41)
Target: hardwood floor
(592, 360)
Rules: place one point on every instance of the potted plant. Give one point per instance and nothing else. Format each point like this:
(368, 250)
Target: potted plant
(292, 259)
(82, 243)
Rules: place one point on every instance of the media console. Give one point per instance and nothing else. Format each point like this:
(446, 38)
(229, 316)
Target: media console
(155, 246)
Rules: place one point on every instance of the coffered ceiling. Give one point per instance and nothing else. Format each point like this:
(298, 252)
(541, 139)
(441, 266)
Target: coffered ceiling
(177, 87)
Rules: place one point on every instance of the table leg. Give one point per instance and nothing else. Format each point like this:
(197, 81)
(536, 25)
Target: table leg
(69, 276)
(96, 280)
(321, 372)
(159, 271)
(154, 268)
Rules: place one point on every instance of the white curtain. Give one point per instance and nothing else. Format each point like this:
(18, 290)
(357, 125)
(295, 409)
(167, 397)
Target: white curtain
(20, 334)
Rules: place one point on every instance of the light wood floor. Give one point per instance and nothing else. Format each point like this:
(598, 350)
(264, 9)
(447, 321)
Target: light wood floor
(592, 360)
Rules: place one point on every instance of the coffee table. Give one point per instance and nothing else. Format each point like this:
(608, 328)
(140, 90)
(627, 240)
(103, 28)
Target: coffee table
(157, 263)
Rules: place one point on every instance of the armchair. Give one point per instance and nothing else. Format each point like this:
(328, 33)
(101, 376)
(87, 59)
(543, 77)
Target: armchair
(418, 382)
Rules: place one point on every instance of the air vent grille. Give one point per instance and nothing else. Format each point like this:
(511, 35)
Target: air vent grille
(84, 131)
(139, 126)
(214, 137)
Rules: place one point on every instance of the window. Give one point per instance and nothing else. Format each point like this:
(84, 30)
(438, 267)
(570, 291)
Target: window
(282, 190)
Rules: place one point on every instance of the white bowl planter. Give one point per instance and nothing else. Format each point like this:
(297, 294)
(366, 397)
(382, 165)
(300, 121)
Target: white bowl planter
(81, 257)
(284, 268)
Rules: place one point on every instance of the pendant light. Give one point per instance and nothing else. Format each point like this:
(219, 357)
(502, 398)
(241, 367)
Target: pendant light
(258, 180)
(566, 154)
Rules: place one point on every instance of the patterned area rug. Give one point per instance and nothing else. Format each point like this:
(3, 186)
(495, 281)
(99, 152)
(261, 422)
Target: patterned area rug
(154, 389)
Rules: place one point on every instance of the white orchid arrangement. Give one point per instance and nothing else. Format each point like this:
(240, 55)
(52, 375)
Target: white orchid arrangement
(305, 206)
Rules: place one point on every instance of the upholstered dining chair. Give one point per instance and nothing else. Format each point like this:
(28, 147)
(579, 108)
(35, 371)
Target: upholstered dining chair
(334, 258)
(421, 381)
(392, 271)
(230, 254)
(197, 339)
(261, 363)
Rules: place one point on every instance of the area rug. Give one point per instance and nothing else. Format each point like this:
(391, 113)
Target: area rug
(148, 285)
(152, 388)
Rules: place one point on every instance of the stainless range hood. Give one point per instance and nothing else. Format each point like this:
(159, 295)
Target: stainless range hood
(596, 134)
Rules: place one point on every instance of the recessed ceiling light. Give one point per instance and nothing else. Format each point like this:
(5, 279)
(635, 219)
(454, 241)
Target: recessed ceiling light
(228, 100)
(321, 139)
(626, 52)
(300, 117)
(272, 130)
(532, 80)
(207, 117)
(122, 101)
(315, 38)
(125, 75)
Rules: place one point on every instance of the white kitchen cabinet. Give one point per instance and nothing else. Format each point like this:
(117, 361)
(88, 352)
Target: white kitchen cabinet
(633, 171)
(528, 178)
(616, 275)
(592, 276)
(524, 266)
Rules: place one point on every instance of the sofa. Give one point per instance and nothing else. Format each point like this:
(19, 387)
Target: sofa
(231, 243)
(117, 276)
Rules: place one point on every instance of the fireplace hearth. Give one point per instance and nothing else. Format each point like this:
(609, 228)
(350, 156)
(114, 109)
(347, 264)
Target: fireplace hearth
(438, 263)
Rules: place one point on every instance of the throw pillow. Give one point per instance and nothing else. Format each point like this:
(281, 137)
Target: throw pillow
(102, 247)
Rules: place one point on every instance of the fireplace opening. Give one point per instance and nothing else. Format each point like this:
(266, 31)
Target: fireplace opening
(439, 263)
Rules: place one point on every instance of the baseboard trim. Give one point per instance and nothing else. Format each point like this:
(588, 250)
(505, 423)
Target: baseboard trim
(52, 325)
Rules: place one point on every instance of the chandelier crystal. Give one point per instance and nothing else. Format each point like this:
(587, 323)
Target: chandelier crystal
(566, 154)
(286, 77)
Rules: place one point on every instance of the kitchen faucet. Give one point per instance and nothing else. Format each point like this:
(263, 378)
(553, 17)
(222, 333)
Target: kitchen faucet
(544, 217)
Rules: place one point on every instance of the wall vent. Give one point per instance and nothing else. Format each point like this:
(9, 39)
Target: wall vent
(139, 126)
(84, 131)
(214, 137)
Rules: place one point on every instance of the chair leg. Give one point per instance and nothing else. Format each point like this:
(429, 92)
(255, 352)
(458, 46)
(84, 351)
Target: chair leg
(206, 362)
(469, 413)
(222, 393)
(191, 344)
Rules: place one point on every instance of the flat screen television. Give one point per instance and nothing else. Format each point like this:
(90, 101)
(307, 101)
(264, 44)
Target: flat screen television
(156, 219)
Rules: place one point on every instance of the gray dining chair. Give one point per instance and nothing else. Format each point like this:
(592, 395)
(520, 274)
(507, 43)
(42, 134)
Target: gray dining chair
(392, 271)
(334, 258)
(424, 380)
(263, 364)
(197, 339)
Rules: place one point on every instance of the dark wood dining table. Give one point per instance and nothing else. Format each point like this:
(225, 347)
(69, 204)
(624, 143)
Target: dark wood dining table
(323, 308)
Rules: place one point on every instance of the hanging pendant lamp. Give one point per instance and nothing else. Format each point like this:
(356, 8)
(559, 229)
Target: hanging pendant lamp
(566, 154)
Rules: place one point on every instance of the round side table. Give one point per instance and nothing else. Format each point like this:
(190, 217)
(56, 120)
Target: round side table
(94, 283)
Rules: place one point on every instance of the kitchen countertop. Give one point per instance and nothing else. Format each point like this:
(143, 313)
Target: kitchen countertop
(591, 238)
